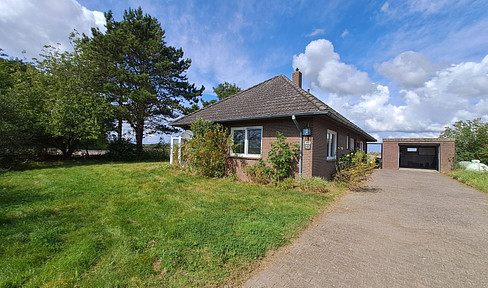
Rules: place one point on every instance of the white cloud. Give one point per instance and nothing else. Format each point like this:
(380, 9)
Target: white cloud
(316, 32)
(457, 92)
(30, 24)
(322, 67)
(217, 54)
(385, 8)
(345, 33)
(409, 69)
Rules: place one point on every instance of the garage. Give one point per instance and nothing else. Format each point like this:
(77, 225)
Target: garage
(418, 153)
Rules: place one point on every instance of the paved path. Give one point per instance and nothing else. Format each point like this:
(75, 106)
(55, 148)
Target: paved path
(406, 228)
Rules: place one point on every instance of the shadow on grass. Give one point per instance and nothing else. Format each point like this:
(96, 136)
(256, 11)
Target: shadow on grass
(74, 162)
(11, 196)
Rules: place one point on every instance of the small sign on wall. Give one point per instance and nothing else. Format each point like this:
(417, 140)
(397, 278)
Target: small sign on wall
(308, 145)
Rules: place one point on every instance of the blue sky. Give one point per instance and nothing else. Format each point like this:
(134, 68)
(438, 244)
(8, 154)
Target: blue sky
(395, 68)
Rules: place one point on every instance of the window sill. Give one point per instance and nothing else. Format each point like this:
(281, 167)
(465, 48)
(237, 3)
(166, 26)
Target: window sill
(252, 157)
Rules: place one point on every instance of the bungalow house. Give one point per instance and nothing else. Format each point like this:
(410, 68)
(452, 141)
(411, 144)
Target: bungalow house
(253, 117)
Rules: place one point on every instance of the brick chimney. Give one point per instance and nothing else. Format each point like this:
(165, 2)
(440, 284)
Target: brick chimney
(297, 78)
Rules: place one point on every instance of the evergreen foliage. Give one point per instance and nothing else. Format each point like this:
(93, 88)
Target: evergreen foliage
(144, 77)
(223, 90)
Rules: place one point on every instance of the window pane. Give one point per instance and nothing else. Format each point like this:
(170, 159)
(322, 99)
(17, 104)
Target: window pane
(331, 144)
(239, 137)
(334, 145)
(254, 141)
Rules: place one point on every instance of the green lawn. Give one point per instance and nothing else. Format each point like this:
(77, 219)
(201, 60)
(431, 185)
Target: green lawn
(139, 224)
(478, 180)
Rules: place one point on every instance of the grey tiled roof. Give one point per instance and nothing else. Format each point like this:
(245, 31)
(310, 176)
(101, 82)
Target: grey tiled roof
(276, 97)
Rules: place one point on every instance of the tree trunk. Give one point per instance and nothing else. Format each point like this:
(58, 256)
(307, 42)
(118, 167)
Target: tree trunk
(68, 153)
(119, 130)
(139, 136)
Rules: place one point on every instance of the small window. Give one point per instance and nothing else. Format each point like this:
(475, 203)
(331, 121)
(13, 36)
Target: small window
(331, 145)
(351, 143)
(411, 149)
(361, 145)
(247, 141)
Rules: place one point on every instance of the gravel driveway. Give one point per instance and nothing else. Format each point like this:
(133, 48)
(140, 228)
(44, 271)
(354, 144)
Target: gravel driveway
(405, 228)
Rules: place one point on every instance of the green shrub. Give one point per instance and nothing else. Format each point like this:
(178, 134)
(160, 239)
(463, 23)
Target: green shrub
(353, 168)
(259, 172)
(207, 153)
(155, 154)
(282, 156)
(286, 184)
(121, 151)
(313, 184)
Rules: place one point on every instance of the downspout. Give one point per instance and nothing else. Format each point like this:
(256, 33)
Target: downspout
(301, 147)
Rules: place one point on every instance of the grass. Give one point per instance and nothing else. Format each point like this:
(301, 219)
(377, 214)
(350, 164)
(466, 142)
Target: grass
(140, 224)
(478, 180)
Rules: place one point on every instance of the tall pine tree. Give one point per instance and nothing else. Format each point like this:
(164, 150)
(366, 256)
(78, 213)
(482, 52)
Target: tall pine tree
(144, 78)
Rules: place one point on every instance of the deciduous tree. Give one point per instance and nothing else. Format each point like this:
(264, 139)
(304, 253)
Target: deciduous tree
(471, 139)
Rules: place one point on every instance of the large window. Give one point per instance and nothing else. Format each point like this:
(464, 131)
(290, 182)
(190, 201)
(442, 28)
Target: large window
(247, 141)
(331, 145)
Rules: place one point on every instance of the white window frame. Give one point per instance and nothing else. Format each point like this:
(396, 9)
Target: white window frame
(361, 145)
(351, 144)
(246, 142)
(331, 146)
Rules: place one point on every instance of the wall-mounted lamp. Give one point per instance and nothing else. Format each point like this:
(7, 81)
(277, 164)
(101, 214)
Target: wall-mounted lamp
(307, 132)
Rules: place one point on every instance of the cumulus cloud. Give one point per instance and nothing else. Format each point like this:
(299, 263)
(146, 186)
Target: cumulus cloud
(30, 24)
(409, 69)
(322, 67)
(457, 92)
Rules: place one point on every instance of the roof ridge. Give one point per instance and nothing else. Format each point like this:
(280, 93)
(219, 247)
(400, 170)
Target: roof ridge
(232, 96)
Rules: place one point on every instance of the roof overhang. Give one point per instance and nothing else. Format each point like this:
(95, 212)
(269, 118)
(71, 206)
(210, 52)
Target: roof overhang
(325, 113)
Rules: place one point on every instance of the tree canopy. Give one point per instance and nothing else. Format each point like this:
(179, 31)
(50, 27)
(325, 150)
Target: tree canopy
(471, 139)
(71, 98)
(143, 76)
(223, 90)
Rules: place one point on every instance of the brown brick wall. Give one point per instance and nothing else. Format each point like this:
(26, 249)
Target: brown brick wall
(314, 161)
(284, 125)
(321, 166)
(390, 155)
(446, 150)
